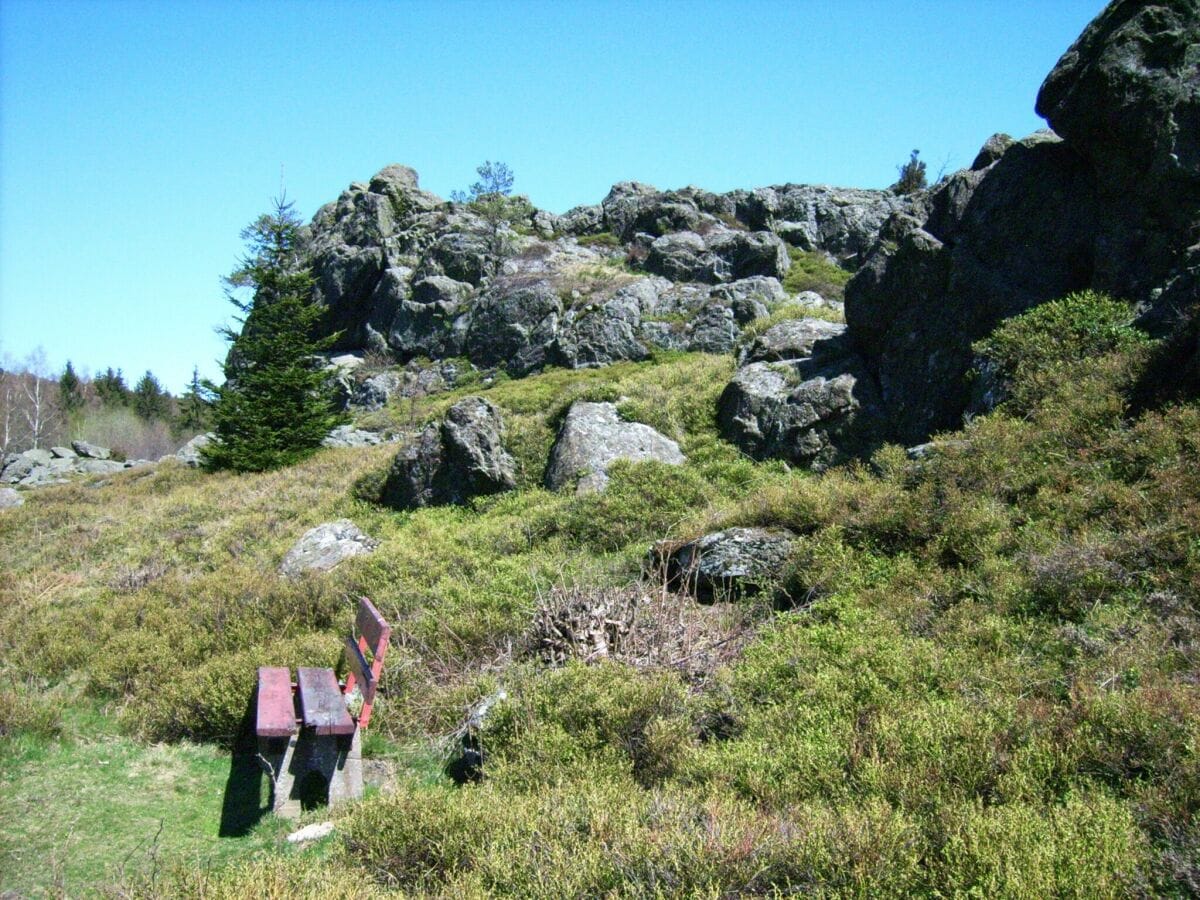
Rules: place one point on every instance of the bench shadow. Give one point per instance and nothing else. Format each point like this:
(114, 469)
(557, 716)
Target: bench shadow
(243, 805)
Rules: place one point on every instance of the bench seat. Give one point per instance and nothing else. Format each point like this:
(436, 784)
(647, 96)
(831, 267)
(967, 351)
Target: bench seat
(321, 702)
(276, 716)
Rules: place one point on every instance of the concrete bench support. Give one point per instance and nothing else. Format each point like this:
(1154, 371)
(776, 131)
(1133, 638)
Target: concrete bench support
(308, 768)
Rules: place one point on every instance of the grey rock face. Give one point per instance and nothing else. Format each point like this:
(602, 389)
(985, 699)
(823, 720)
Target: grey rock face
(593, 437)
(713, 330)
(841, 221)
(790, 339)
(682, 257)
(602, 334)
(460, 458)
(39, 467)
(323, 547)
(726, 564)
(63, 453)
(718, 257)
(41, 457)
(750, 254)
(583, 220)
(1112, 205)
(750, 297)
(349, 436)
(374, 393)
(90, 451)
(996, 242)
(513, 327)
(99, 466)
(189, 453)
(816, 410)
(423, 325)
(1126, 95)
(10, 499)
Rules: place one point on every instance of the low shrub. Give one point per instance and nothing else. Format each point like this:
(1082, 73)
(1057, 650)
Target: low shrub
(1032, 353)
(812, 270)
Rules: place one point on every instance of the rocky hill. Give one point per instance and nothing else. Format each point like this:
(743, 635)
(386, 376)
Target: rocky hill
(1108, 200)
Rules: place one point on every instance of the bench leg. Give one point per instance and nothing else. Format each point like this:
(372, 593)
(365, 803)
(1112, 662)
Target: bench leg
(345, 780)
(277, 757)
(309, 770)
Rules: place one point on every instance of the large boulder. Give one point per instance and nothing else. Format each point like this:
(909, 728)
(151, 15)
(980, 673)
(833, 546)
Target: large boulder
(10, 498)
(189, 453)
(814, 410)
(323, 547)
(514, 326)
(791, 339)
(461, 457)
(725, 564)
(592, 438)
(1127, 96)
(1111, 202)
(719, 256)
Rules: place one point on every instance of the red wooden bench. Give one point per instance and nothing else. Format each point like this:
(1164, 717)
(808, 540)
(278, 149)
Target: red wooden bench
(308, 730)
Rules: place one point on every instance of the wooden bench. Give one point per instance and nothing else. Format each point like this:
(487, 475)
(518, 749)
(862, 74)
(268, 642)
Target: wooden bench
(309, 730)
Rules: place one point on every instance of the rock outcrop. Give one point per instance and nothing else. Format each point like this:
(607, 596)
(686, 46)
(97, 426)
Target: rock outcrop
(1111, 202)
(461, 457)
(803, 395)
(323, 547)
(592, 438)
(405, 273)
(189, 453)
(39, 467)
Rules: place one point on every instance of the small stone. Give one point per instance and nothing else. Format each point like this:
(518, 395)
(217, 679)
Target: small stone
(323, 547)
(10, 498)
(315, 832)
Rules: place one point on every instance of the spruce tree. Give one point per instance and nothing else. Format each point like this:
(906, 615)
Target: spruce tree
(70, 390)
(276, 404)
(110, 388)
(150, 401)
(194, 410)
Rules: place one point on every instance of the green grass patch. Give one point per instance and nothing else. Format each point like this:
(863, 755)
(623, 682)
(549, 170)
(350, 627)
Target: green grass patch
(814, 271)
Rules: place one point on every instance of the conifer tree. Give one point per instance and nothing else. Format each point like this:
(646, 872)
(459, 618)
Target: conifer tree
(150, 401)
(111, 389)
(276, 404)
(194, 410)
(70, 390)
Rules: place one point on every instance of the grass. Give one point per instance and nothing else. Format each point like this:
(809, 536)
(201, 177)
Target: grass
(986, 684)
(814, 271)
(95, 806)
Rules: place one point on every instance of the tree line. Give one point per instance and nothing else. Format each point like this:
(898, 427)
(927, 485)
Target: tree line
(39, 409)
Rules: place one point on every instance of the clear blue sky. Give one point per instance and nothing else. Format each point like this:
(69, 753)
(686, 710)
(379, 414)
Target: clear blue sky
(138, 138)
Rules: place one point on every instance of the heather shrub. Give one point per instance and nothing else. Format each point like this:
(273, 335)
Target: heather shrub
(1032, 353)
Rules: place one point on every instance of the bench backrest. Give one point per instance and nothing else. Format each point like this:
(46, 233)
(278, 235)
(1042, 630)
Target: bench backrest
(366, 646)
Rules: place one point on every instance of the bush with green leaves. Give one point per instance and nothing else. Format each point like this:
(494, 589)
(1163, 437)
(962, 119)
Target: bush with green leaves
(1030, 353)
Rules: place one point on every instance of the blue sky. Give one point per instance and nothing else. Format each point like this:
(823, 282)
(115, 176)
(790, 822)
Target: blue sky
(138, 138)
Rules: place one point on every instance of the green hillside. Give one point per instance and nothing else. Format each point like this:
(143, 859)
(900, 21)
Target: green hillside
(975, 676)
